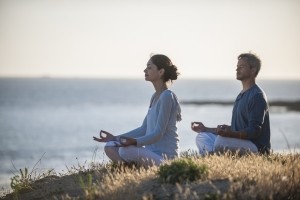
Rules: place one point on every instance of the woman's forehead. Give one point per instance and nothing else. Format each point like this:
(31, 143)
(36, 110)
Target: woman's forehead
(150, 62)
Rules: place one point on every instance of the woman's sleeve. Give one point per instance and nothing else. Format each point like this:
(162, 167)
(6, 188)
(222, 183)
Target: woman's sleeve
(138, 132)
(166, 103)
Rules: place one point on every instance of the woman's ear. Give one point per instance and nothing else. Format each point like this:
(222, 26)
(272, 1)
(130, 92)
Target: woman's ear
(161, 71)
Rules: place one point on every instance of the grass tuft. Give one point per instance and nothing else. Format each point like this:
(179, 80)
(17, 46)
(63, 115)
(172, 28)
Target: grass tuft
(182, 170)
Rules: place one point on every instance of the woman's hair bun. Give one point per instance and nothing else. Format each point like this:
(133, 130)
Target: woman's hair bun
(163, 62)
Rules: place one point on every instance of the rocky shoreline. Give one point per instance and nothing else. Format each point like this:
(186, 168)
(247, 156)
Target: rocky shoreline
(289, 105)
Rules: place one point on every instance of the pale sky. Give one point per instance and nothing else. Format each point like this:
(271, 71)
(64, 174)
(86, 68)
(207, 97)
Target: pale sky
(85, 38)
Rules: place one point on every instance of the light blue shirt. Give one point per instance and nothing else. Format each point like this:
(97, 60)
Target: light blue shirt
(158, 133)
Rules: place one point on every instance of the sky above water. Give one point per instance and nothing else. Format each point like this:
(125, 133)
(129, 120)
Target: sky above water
(115, 38)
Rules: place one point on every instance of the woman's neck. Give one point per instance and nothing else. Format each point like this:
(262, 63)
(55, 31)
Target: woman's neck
(160, 86)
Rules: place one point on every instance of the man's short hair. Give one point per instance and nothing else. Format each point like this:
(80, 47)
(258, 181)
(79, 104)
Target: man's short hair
(252, 60)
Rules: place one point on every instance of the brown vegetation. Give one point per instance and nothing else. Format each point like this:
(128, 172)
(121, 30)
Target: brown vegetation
(229, 177)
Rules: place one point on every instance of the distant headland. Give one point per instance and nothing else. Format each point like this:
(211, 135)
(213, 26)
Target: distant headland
(290, 105)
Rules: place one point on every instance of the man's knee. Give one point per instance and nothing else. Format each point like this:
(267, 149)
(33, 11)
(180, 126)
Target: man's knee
(205, 142)
(205, 138)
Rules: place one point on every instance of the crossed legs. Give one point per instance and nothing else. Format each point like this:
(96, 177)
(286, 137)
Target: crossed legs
(208, 143)
(130, 154)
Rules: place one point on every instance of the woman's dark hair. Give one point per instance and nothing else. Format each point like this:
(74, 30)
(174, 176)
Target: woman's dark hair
(163, 62)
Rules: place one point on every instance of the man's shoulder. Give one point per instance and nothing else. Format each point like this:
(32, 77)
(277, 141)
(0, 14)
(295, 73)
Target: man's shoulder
(256, 89)
(258, 94)
(255, 92)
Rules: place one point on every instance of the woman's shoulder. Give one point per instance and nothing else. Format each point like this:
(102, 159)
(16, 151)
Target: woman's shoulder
(169, 94)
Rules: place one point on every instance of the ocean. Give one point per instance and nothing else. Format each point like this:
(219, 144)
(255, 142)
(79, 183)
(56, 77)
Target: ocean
(54, 119)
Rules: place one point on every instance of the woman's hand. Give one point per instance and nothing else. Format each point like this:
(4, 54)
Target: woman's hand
(105, 137)
(127, 141)
(198, 127)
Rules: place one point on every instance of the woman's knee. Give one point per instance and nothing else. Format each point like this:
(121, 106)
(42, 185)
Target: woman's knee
(110, 150)
(127, 153)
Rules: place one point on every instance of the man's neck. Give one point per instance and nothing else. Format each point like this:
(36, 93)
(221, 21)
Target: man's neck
(247, 84)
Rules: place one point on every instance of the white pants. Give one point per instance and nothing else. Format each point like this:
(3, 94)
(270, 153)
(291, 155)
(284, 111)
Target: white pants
(130, 154)
(205, 142)
(208, 142)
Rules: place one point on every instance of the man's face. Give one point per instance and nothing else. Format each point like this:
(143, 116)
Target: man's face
(243, 70)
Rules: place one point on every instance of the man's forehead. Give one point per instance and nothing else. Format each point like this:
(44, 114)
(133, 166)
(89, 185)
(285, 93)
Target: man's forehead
(242, 62)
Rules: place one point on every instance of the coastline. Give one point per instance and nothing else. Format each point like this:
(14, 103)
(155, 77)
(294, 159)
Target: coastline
(289, 105)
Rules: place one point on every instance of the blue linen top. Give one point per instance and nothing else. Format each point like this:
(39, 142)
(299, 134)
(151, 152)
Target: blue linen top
(158, 132)
(251, 115)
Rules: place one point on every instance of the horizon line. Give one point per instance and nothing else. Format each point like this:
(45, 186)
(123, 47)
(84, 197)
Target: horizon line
(135, 77)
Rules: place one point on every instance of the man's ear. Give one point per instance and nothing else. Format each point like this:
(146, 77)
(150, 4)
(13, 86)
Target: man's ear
(253, 71)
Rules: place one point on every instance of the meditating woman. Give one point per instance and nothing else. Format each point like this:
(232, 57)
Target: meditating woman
(157, 138)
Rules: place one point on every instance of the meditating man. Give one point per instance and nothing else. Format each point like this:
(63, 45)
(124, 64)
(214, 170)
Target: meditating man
(250, 125)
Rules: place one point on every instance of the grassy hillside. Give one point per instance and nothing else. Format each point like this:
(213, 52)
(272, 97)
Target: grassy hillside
(220, 177)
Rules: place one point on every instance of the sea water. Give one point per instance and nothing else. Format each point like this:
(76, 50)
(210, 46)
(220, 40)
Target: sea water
(53, 120)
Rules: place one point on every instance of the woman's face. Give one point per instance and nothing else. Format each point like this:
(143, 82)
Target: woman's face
(151, 72)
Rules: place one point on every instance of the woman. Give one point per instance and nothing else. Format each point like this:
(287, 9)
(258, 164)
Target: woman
(157, 138)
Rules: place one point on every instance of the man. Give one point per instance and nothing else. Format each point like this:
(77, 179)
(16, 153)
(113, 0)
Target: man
(250, 125)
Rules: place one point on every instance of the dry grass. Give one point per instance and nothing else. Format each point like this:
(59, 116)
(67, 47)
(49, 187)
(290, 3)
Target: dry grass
(230, 177)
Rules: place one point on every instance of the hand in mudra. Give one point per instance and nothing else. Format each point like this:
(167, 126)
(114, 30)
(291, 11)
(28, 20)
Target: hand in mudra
(198, 127)
(104, 137)
(127, 141)
(223, 130)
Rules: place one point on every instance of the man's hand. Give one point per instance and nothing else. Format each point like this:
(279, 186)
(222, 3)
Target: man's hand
(198, 127)
(224, 130)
